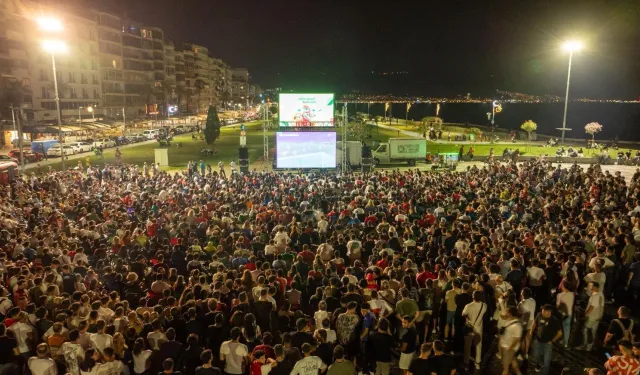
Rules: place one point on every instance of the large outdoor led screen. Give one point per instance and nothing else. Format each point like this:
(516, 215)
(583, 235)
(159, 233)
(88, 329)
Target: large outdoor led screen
(305, 110)
(300, 150)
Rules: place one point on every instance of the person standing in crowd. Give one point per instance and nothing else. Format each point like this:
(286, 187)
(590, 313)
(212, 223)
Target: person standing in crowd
(474, 314)
(625, 363)
(545, 331)
(564, 303)
(509, 342)
(340, 365)
(621, 328)
(234, 354)
(309, 364)
(378, 347)
(408, 343)
(593, 315)
(42, 363)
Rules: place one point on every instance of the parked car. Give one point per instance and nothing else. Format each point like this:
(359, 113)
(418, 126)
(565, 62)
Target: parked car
(8, 158)
(29, 156)
(135, 138)
(104, 143)
(56, 150)
(82, 146)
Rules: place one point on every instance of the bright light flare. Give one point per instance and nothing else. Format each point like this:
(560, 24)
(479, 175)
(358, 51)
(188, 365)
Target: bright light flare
(572, 45)
(49, 24)
(90, 109)
(54, 46)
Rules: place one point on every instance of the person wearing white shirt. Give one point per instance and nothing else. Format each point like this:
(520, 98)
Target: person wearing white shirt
(474, 314)
(597, 275)
(234, 354)
(111, 366)
(73, 353)
(101, 340)
(322, 226)
(510, 341)
(564, 303)
(593, 314)
(600, 256)
(42, 364)
(527, 311)
(23, 332)
(310, 364)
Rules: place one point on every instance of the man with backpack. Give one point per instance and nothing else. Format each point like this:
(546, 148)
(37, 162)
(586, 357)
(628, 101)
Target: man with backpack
(619, 329)
(510, 338)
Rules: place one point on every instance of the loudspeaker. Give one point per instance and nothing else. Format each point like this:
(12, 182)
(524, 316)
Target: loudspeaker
(243, 159)
(367, 164)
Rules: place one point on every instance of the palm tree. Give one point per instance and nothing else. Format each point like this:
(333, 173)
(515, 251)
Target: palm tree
(199, 87)
(167, 92)
(226, 96)
(12, 94)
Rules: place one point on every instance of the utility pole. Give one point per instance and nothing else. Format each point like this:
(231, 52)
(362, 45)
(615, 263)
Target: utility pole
(265, 138)
(18, 129)
(345, 123)
(124, 120)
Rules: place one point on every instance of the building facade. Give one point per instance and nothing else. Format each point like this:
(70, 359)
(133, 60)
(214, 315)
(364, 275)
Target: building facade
(113, 64)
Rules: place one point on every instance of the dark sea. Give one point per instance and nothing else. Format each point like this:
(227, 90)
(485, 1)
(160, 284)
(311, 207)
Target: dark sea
(620, 120)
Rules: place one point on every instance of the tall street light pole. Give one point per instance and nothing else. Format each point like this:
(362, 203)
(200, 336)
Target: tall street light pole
(53, 47)
(52, 25)
(569, 46)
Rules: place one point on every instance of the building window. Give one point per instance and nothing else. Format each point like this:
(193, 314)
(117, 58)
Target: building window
(96, 95)
(85, 94)
(45, 93)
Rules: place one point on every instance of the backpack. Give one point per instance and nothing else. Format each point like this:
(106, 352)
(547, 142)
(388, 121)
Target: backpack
(627, 333)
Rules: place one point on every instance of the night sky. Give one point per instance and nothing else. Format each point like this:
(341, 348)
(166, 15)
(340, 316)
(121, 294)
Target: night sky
(448, 47)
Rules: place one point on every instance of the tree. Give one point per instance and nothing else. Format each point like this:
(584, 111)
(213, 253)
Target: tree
(273, 110)
(12, 93)
(430, 121)
(359, 130)
(212, 127)
(199, 87)
(593, 128)
(225, 97)
(529, 126)
(167, 93)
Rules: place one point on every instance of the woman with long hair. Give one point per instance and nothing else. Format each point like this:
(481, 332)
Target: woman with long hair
(250, 331)
(141, 357)
(89, 365)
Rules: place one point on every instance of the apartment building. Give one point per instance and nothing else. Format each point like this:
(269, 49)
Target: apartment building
(113, 64)
(239, 86)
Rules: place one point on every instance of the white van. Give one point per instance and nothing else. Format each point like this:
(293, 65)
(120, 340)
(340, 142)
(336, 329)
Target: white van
(151, 134)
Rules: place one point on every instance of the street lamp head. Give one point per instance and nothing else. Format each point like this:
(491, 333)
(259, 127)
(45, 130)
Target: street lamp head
(49, 24)
(572, 45)
(54, 46)
(90, 109)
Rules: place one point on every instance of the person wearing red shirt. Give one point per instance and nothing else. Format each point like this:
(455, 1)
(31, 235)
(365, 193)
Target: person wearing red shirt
(307, 255)
(261, 365)
(624, 364)
(265, 347)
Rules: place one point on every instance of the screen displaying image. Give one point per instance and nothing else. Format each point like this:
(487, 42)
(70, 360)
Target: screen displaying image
(306, 110)
(299, 150)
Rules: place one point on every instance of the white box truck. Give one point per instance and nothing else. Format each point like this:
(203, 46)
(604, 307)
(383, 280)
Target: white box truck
(400, 150)
(354, 153)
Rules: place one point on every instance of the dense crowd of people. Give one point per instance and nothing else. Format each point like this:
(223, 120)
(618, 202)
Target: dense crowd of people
(120, 270)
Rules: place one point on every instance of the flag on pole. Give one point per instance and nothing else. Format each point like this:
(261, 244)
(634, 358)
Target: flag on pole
(437, 109)
(408, 106)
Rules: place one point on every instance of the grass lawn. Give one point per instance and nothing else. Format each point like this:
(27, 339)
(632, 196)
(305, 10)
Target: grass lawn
(229, 141)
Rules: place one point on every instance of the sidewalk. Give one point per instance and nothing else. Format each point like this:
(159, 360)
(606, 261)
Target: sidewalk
(69, 159)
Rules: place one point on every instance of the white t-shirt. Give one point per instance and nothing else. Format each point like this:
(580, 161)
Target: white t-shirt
(308, 366)
(319, 316)
(474, 313)
(600, 278)
(20, 331)
(42, 366)
(535, 275)
(140, 361)
(110, 368)
(527, 309)
(597, 301)
(73, 354)
(234, 352)
(564, 301)
(512, 334)
(101, 340)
